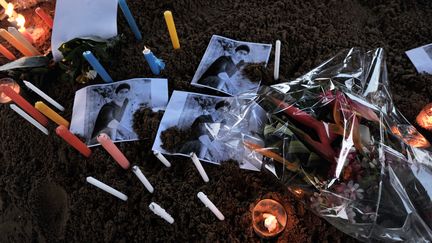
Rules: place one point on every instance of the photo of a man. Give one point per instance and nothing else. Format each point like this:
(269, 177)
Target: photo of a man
(111, 114)
(221, 67)
(219, 74)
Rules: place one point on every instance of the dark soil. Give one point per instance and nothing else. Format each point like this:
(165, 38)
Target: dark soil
(43, 192)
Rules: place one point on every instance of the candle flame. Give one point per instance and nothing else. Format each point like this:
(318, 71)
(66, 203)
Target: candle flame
(20, 22)
(270, 222)
(9, 11)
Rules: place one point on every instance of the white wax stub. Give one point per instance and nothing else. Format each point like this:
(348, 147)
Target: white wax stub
(203, 197)
(106, 188)
(162, 158)
(199, 167)
(136, 170)
(29, 118)
(158, 210)
(43, 95)
(277, 60)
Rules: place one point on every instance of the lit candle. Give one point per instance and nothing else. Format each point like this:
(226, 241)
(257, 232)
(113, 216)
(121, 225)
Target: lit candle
(203, 197)
(51, 114)
(158, 210)
(112, 149)
(136, 170)
(21, 22)
(162, 159)
(172, 29)
(129, 18)
(15, 43)
(156, 64)
(29, 119)
(64, 133)
(106, 188)
(43, 95)
(18, 35)
(44, 16)
(5, 52)
(91, 59)
(199, 167)
(27, 107)
(269, 218)
(12, 84)
(424, 118)
(277, 60)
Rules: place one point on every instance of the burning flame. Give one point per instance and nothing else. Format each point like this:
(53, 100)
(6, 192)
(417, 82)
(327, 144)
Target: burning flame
(9, 11)
(411, 137)
(20, 22)
(424, 118)
(269, 218)
(270, 221)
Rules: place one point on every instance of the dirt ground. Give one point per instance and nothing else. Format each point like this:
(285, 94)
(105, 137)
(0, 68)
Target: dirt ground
(43, 192)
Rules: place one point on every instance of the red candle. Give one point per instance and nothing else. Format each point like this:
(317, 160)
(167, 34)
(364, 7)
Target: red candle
(110, 147)
(64, 133)
(45, 17)
(27, 107)
(5, 52)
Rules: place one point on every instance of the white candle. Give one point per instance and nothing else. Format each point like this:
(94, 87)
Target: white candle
(158, 210)
(136, 170)
(277, 60)
(199, 166)
(43, 95)
(106, 188)
(29, 118)
(13, 31)
(203, 197)
(162, 158)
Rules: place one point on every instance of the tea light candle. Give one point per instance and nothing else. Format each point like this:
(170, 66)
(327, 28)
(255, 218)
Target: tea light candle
(158, 210)
(12, 84)
(44, 16)
(27, 107)
(20, 37)
(156, 64)
(91, 59)
(277, 60)
(136, 170)
(51, 114)
(106, 188)
(162, 158)
(129, 18)
(5, 52)
(43, 95)
(15, 43)
(64, 133)
(29, 119)
(199, 167)
(172, 29)
(269, 218)
(204, 199)
(112, 149)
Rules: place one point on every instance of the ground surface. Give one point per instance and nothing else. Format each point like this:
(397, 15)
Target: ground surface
(43, 193)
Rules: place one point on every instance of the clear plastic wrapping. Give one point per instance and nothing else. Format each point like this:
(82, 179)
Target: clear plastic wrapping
(334, 137)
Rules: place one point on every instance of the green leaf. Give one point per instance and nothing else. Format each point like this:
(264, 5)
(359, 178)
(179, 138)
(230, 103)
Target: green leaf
(26, 62)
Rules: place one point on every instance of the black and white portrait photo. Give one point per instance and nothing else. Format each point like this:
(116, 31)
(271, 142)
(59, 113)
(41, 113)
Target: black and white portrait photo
(109, 108)
(222, 64)
(215, 127)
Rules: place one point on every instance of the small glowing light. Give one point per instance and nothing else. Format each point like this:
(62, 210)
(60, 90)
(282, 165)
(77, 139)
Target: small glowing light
(424, 118)
(269, 218)
(9, 11)
(270, 222)
(20, 22)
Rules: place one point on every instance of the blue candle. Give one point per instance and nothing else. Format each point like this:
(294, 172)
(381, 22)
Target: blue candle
(156, 64)
(129, 18)
(88, 55)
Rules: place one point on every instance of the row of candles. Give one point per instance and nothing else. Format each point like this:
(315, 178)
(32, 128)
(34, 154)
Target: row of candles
(37, 116)
(20, 38)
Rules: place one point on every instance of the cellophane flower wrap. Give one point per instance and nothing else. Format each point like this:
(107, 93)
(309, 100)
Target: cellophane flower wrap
(334, 137)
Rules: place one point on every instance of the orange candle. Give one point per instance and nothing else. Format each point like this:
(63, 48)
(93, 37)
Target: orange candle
(110, 147)
(5, 52)
(51, 114)
(71, 139)
(15, 43)
(45, 17)
(27, 107)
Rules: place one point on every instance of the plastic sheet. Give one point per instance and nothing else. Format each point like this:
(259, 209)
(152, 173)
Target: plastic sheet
(335, 138)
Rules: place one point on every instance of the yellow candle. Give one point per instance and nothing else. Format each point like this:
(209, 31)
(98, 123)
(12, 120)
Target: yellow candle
(51, 114)
(15, 43)
(4, 4)
(172, 29)
(13, 31)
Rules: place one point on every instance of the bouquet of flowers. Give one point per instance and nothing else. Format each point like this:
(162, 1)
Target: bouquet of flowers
(334, 137)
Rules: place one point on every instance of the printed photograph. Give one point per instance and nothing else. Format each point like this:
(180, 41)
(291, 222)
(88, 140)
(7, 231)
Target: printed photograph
(109, 108)
(211, 127)
(223, 61)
